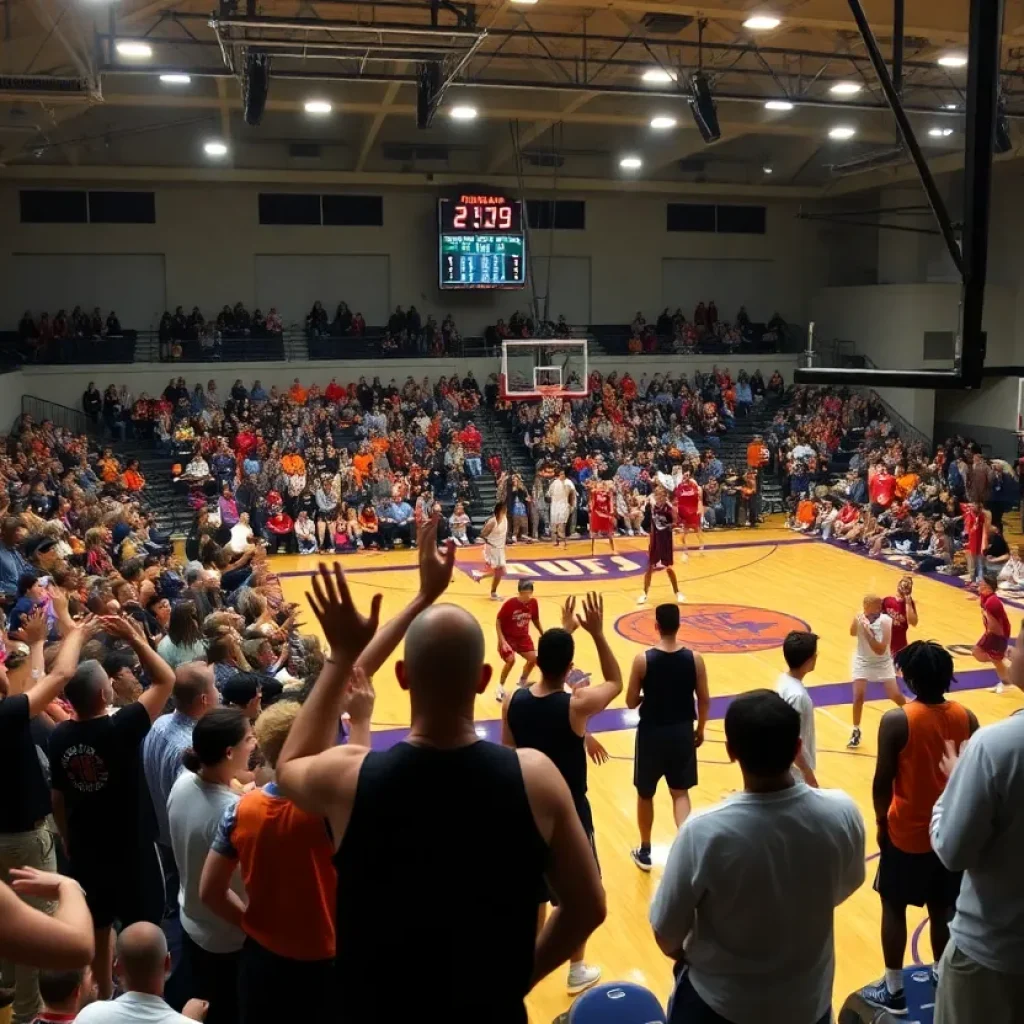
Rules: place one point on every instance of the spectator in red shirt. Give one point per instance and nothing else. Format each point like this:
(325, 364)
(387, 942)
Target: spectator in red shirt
(991, 648)
(881, 490)
(333, 392)
(513, 624)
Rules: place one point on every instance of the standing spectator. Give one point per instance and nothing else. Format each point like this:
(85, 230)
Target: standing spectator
(92, 402)
(800, 649)
(977, 827)
(194, 694)
(908, 780)
(777, 852)
(100, 801)
(25, 841)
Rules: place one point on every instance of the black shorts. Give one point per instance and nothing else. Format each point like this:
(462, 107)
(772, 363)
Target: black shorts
(664, 752)
(126, 889)
(914, 879)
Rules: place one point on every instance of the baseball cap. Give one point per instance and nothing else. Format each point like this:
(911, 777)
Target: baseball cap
(240, 689)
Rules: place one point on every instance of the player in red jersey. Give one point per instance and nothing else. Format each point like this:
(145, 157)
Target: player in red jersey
(977, 521)
(513, 624)
(689, 510)
(659, 547)
(991, 648)
(602, 514)
(903, 612)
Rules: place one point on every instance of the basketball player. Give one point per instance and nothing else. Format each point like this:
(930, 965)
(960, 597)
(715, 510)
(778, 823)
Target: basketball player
(602, 514)
(908, 781)
(903, 611)
(545, 717)
(872, 659)
(995, 640)
(664, 683)
(494, 534)
(513, 625)
(560, 497)
(659, 547)
(690, 508)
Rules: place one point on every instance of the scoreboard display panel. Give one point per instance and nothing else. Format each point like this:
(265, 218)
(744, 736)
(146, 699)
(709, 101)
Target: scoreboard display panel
(481, 242)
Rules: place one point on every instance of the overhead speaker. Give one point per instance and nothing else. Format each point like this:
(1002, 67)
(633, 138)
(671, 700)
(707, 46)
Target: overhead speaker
(255, 85)
(428, 93)
(702, 106)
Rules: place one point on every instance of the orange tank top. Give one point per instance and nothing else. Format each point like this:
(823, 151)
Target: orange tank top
(919, 780)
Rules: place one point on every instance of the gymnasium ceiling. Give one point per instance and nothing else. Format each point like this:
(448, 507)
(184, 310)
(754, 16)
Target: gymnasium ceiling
(557, 86)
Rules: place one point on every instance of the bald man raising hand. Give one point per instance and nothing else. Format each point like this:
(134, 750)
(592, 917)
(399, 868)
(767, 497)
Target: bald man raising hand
(418, 828)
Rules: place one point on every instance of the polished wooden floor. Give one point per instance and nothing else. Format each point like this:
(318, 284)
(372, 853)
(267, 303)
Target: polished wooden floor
(771, 573)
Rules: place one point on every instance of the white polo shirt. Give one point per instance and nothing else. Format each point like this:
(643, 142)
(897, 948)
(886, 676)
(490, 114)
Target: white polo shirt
(131, 1008)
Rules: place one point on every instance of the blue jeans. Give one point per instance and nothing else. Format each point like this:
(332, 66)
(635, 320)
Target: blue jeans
(729, 508)
(474, 466)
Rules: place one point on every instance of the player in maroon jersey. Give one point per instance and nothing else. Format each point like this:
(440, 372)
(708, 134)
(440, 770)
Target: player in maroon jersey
(602, 514)
(659, 548)
(690, 510)
(903, 611)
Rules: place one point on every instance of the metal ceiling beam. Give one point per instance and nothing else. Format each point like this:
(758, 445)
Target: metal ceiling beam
(375, 125)
(501, 154)
(52, 24)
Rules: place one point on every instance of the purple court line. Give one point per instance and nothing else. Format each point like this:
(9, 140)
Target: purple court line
(915, 939)
(781, 542)
(619, 719)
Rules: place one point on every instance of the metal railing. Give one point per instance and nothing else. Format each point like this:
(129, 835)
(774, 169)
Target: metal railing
(60, 415)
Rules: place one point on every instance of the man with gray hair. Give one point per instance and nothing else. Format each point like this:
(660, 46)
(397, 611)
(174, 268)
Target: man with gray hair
(99, 801)
(142, 964)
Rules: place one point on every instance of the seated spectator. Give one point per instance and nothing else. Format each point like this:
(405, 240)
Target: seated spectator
(305, 534)
(274, 324)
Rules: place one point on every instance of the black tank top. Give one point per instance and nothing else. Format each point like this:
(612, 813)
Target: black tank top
(421, 919)
(669, 687)
(543, 724)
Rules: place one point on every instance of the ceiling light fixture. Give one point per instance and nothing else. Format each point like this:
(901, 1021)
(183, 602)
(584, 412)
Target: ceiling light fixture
(631, 163)
(215, 148)
(462, 113)
(767, 170)
(175, 79)
(842, 132)
(658, 76)
(778, 105)
(134, 48)
(845, 88)
(318, 107)
(663, 123)
(762, 22)
(525, 3)
(953, 60)
(951, 106)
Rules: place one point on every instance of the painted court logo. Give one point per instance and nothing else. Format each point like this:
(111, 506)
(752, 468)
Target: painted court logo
(609, 567)
(716, 628)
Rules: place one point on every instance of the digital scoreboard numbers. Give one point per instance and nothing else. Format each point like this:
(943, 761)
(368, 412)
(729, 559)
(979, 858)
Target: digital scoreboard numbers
(481, 242)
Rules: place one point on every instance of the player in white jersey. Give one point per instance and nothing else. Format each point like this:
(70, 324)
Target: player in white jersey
(494, 534)
(872, 659)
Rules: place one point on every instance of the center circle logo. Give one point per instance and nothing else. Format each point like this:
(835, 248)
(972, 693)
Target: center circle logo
(716, 628)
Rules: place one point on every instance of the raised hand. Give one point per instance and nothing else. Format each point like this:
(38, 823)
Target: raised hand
(592, 619)
(123, 627)
(59, 600)
(949, 759)
(359, 696)
(569, 623)
(34, 627)
(436, 565)
(347, 631)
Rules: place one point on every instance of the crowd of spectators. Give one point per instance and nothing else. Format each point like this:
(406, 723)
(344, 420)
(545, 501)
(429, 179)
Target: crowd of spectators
(406, 333)
(672, 332)
(525, 326)
(44, 335)
(177, 329)
(331, 469)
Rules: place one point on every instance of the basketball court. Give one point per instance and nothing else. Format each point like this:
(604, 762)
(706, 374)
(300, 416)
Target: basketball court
(743, 596)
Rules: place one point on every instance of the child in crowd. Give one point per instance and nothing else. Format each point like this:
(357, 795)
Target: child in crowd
(459, 523)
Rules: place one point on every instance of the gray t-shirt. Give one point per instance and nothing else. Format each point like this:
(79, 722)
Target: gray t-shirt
(194, 810)
(978, 828)
(794, 693)
(738, 869)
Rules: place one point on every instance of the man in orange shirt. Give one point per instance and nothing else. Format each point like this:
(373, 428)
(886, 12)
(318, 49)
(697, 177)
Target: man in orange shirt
(297, 393)
(293, 464)
(757, 453)
(912, 741)
(362, 464)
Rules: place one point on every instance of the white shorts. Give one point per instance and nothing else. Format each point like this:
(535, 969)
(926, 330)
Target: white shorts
(874, 672)
(494, 557)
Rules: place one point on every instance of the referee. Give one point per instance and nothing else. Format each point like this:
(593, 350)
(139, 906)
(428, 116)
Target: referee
(670, 686)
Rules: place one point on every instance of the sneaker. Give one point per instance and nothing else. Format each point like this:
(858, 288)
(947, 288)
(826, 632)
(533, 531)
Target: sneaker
(499, 695)
(642, 599)
(998, 688)
(581, 977)
(641, 858)
(477, 575)
(854, 738)
(496, 596)
(680, 597)
(879, 995)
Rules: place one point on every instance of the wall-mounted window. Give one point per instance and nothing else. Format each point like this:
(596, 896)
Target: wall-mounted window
(307, 208)
(710, 218)
(557, 214)
(76, 206)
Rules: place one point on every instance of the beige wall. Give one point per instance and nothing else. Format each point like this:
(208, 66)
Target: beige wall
(209, 236)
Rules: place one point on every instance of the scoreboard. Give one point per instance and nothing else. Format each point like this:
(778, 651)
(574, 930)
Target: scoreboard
(481, 242)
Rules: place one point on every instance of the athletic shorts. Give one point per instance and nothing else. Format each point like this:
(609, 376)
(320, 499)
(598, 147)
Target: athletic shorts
(914, 879)
(994, 645)
(517, 647)
(664, 752)
(494, 557)
(689, 520)
(126, 890)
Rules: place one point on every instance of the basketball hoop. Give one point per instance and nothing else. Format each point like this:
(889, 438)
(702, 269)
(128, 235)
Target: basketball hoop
(549, 391)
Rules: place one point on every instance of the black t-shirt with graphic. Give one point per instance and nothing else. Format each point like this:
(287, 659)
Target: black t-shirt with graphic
(25, 799)
(97, 766)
